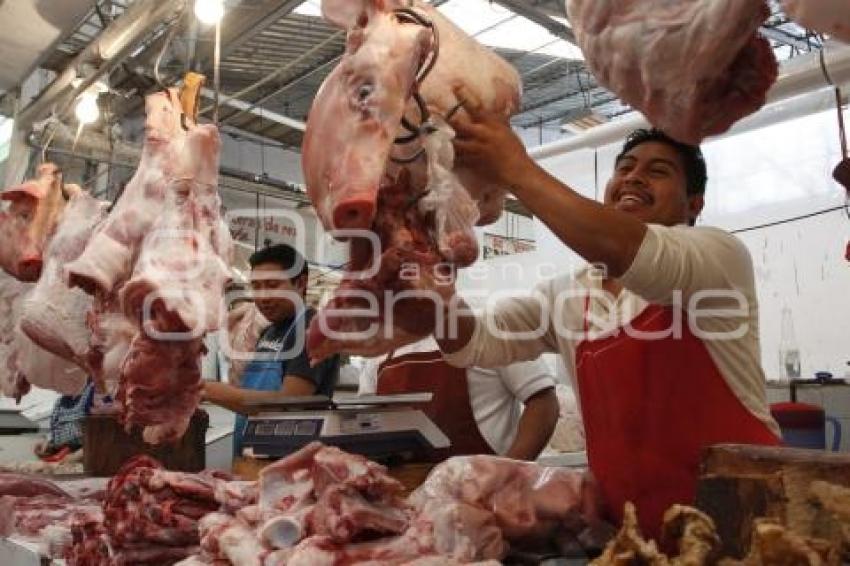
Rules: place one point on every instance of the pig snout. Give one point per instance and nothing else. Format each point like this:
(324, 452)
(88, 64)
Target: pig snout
(29, 269)
(354, 213)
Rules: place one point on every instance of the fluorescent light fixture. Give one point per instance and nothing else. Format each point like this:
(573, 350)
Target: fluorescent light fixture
(309, 8)
(6, 126)
(209, 12)
(87, 111)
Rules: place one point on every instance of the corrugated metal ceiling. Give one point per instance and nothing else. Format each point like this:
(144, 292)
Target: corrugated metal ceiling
(292, 53)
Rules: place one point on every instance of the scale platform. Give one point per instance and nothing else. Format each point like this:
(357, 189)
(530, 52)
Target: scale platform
(380, 427)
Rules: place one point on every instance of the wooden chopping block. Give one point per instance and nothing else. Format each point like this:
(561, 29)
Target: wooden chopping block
(106, 446)
(740, 483)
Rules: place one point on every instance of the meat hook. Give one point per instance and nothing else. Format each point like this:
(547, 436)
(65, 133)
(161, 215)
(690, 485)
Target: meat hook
(55, 123)
(169, 38)
(411, 16)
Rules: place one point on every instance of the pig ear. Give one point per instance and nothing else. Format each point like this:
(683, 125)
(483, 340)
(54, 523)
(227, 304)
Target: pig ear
(346, 13)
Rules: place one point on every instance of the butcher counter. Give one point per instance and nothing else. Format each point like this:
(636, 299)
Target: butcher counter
(19, 552)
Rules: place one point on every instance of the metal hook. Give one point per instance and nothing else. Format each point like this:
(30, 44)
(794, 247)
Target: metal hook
(424, 118)
(172, 33)
(55, 123)
(412, 16)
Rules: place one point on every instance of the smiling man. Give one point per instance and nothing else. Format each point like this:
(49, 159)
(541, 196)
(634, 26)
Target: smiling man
(660, 334)
(280, 366)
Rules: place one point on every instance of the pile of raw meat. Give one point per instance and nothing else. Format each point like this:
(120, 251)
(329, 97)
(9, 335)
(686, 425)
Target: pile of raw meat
(150, 516)
(38, 509)
(317, 506)
(409, 220)
(324, 506)
(124, 296)
(693, 67)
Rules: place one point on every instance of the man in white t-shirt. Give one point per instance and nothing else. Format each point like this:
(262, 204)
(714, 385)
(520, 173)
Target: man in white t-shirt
(661, 337)
(510, 411)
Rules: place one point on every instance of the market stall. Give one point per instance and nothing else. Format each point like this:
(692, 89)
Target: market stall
(424, 282)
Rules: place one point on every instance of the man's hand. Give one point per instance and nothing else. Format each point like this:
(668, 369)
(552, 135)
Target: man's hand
(535, 426)
(222, 394)
(486, 143)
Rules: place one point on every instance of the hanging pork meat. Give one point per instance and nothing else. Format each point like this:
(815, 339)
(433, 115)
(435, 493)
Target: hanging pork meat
(380, 170)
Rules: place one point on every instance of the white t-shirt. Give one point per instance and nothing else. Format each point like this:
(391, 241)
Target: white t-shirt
(497, 395)
(702, 267)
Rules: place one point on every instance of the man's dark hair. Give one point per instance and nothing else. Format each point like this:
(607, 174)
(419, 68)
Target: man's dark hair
(285, 256)
(692, 159)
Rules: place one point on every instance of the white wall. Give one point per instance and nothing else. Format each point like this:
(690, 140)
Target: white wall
(253, 220)
(254, 157)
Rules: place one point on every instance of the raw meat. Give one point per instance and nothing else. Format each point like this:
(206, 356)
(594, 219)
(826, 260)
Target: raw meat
(826, 16)
(527, 501)
(157, 267)
(54, 315)
(37, 213)
(420, 213)
(12, 381)
(321, 505)
(41, 510)
(21, 485)
(151, 516)
(33, 211)
(27, 516)
(693, 67)
(43, 369)
(160, 386)
(245, 323)
(22, 362)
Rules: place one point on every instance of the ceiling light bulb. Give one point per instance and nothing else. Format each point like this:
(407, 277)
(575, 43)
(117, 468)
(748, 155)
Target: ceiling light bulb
(209, 11)
(87, 111)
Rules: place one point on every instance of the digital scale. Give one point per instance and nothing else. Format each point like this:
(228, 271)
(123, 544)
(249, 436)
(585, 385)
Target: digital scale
(380, 427)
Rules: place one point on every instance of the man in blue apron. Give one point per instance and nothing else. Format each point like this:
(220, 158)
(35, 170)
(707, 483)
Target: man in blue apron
(278, 282)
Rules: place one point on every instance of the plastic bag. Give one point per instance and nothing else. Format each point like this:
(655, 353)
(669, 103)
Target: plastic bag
(527, 500)
(455, 212)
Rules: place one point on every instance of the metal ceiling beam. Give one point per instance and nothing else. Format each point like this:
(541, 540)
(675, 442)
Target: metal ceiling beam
(540, 18)
(265, 16)
(290, 84)
(340, 35)
(540, 103)
(283, 69)
(546, 118)
(252, 108)
(104, 53)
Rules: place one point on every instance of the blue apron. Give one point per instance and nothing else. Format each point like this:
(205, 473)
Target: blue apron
(262, 375)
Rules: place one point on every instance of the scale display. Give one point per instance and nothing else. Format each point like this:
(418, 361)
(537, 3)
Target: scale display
(378, 433)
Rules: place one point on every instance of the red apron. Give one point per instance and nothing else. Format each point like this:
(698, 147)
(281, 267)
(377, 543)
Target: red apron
(649, 407)
(450, 408)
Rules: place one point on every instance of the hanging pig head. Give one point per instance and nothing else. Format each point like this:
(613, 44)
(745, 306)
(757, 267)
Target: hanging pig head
(33, 210)
(356, 115)
(357, 112)
(378, 157)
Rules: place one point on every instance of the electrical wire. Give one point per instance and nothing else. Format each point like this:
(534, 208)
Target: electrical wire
(842, 207)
